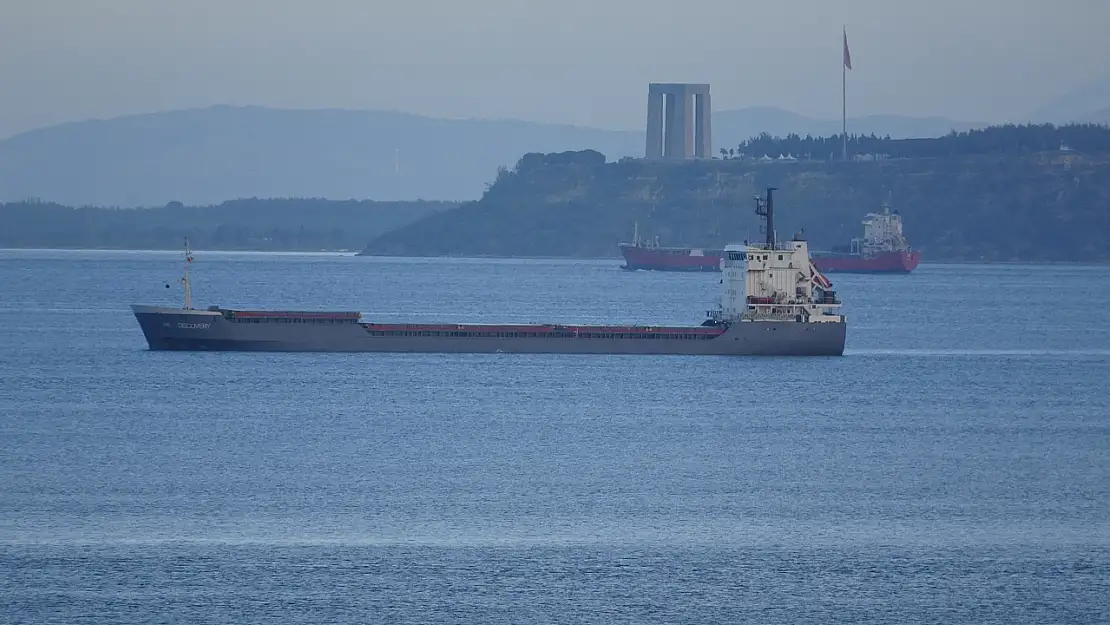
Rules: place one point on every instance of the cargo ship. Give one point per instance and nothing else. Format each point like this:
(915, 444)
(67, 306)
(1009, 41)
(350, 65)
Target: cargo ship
(649, 255)
(882, 249)
(773, 301)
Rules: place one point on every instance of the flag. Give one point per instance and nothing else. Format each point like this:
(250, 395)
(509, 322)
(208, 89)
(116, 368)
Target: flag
(847, 55)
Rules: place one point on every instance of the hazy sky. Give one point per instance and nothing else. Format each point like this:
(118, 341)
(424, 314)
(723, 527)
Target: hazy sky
(576, 61)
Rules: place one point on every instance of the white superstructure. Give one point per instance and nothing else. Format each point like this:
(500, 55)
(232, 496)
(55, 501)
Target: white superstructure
(773, 281)
(882, 232)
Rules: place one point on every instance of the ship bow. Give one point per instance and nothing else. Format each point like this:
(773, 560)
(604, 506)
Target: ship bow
(164, 327)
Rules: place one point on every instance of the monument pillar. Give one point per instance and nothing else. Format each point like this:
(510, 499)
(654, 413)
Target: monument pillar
(673, 128)
(679, 121)
(703, 130)
(686, 114)
(654, 125)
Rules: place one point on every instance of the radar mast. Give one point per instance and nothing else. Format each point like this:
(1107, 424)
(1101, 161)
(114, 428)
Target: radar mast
(765, 208)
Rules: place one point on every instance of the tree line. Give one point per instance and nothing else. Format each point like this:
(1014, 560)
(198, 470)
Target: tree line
(1002, 139)
(246, 224)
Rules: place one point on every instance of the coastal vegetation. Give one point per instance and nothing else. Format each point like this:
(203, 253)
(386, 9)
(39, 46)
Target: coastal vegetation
(1008, 139)
(304, 224)
(1009, 193)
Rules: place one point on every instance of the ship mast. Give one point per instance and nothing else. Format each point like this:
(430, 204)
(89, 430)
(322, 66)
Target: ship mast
(185, 277)
(766, 208)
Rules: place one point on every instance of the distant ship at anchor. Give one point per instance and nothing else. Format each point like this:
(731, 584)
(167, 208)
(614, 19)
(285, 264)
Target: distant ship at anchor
(882, 249)
(649, 255)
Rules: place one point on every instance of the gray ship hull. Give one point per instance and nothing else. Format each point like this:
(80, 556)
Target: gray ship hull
(213, 330)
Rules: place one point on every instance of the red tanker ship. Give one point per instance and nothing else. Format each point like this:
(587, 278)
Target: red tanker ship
(648, 254)
(882, 249)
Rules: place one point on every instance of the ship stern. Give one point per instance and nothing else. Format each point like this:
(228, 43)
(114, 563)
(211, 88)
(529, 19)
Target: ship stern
(910, 260)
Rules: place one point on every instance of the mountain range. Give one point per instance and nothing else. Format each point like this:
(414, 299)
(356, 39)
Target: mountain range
(209, 155)
(1089, 103)
(206, 156)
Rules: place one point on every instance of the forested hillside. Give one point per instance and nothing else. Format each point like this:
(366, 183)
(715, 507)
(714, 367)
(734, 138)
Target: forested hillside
(250, 224)
(1014, 201)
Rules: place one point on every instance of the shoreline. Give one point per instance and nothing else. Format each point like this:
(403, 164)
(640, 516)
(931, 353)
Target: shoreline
(616, 258)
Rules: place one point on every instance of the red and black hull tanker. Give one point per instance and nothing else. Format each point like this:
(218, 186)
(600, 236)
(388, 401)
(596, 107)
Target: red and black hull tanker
(903, 261)
(669, 258)
(680, 259)
(882, 249)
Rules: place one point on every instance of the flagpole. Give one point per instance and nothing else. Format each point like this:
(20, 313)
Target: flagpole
(844, 99)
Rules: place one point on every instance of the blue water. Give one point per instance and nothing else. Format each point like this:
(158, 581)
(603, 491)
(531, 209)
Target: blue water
(953, 466)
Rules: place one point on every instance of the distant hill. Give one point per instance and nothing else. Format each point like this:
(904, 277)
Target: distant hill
(206, 156)
(1089, 103)
(1098, 117)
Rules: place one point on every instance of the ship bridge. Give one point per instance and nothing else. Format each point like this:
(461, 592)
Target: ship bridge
(773, 281)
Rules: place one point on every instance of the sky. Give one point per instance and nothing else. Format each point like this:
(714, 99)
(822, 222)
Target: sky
(584, 62)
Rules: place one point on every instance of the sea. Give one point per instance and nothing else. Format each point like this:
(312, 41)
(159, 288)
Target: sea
(952, 467)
